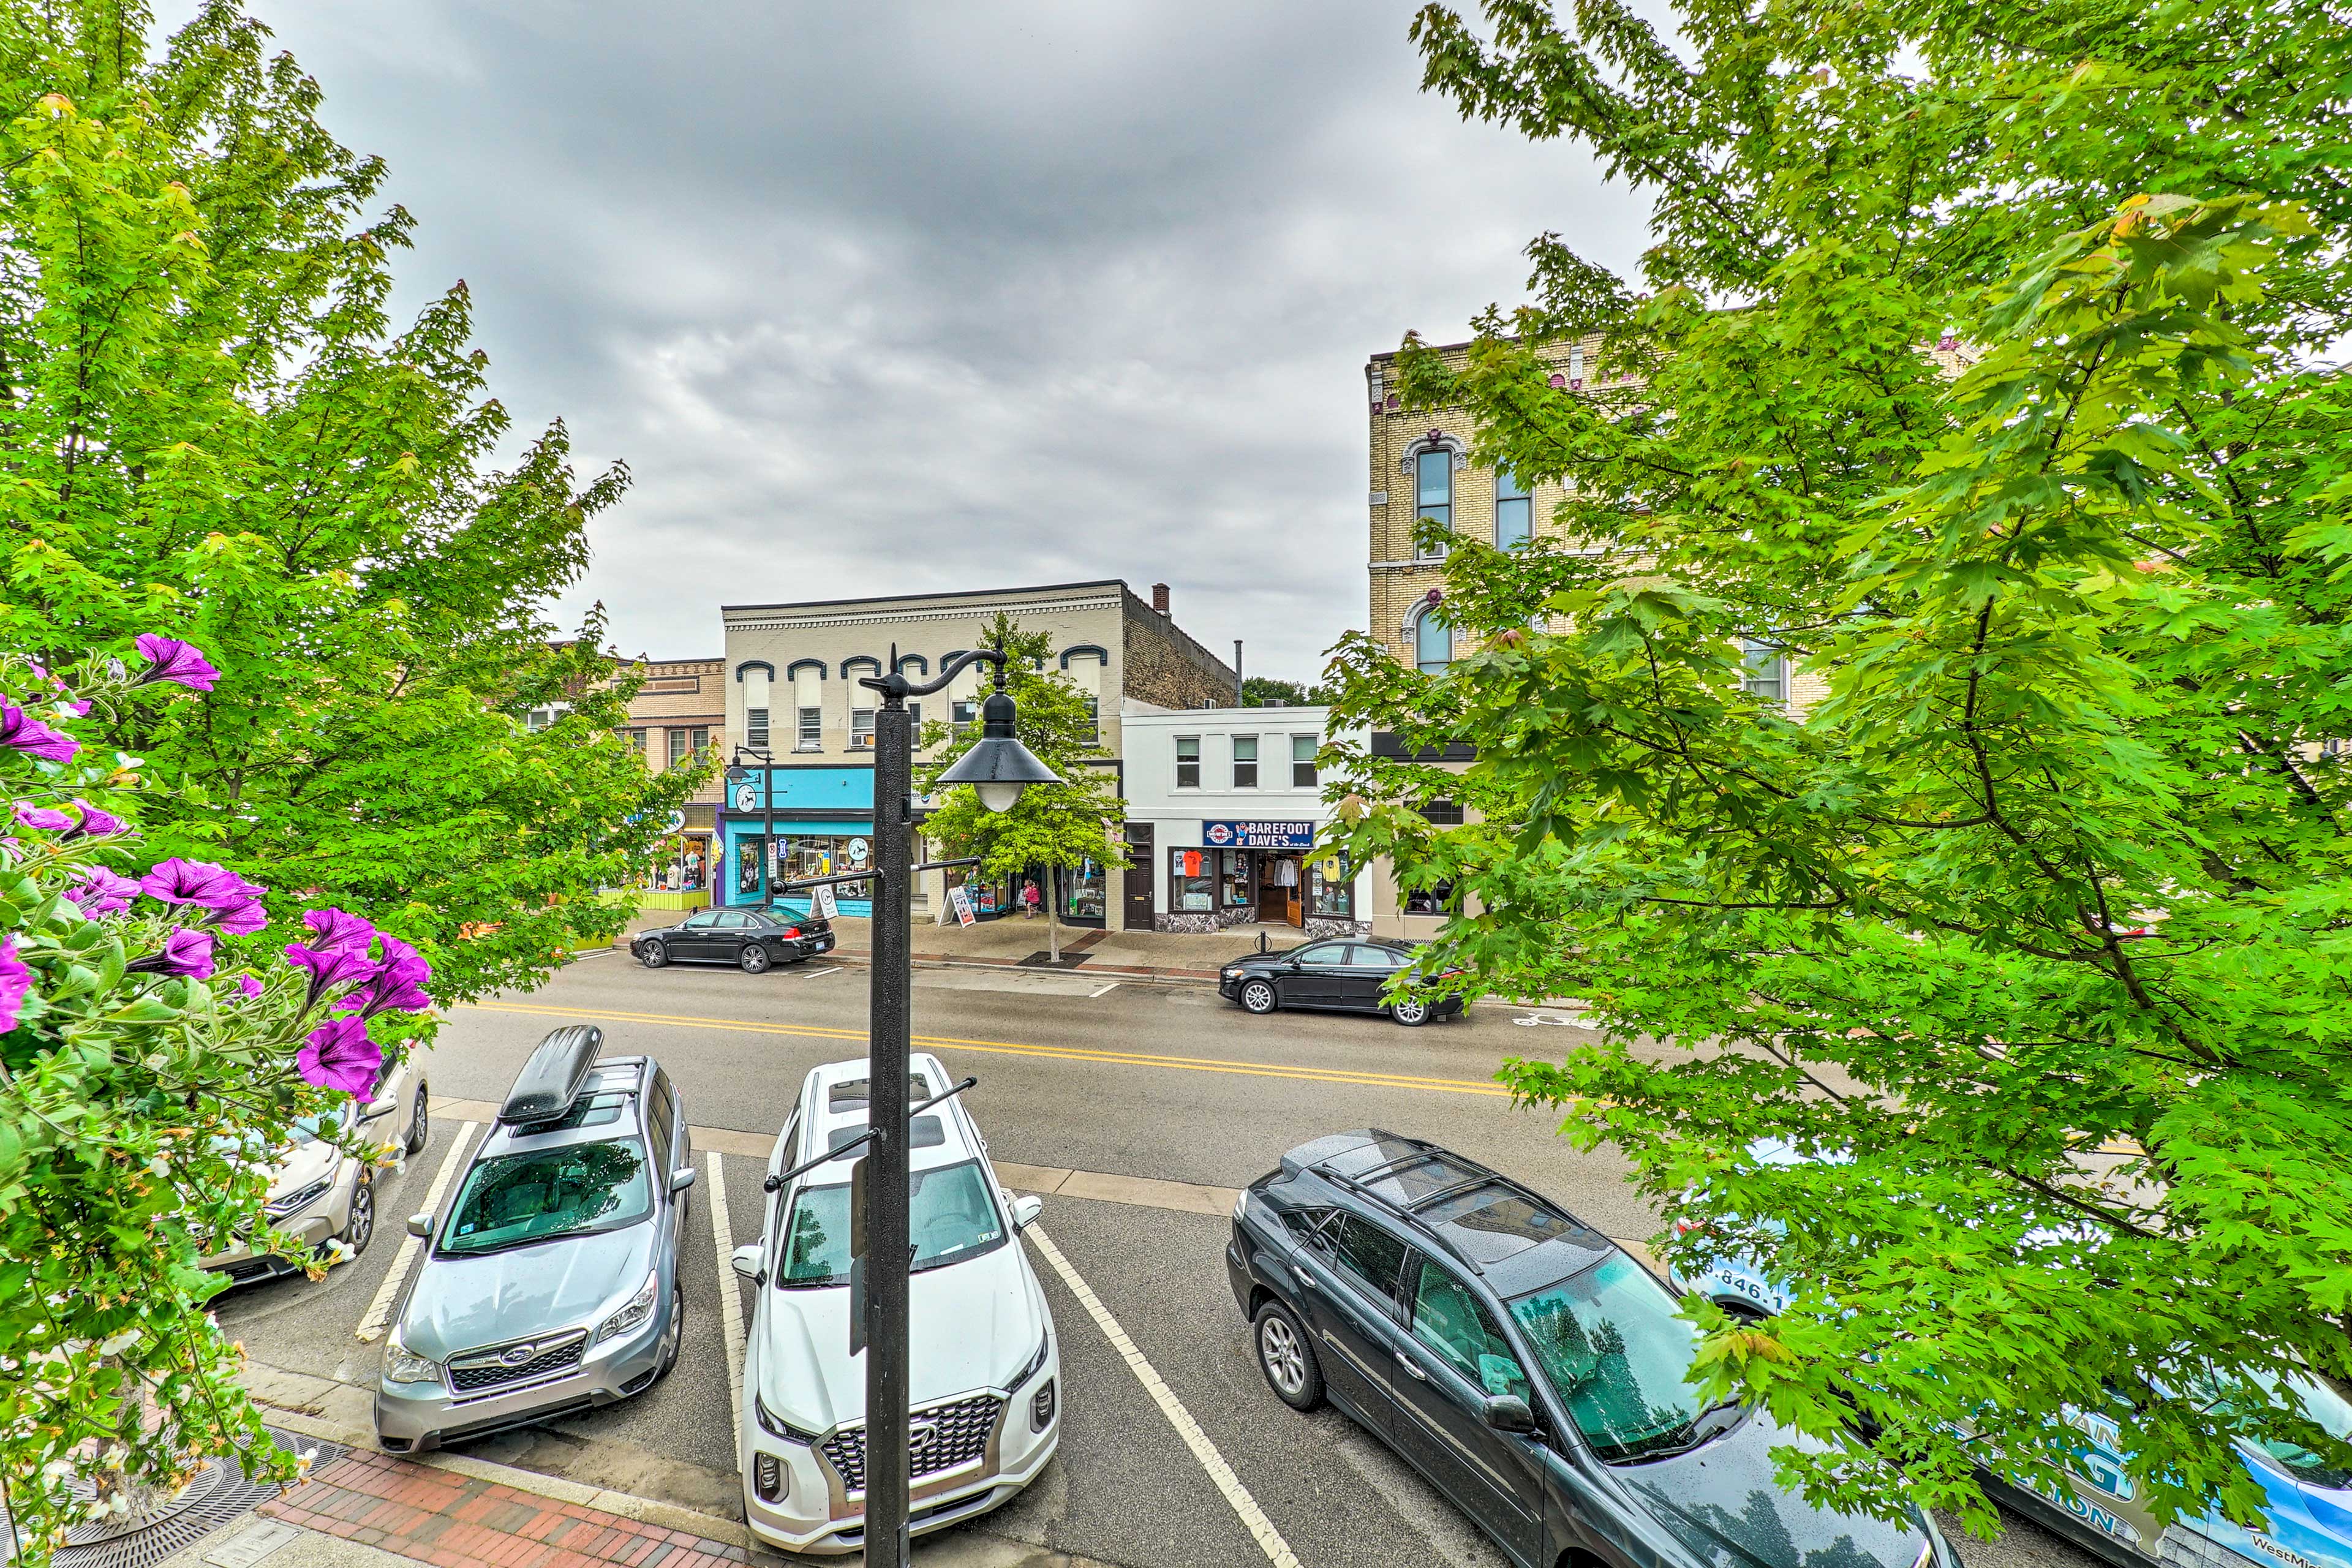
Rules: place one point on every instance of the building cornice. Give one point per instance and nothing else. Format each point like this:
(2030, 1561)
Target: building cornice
(754, 620)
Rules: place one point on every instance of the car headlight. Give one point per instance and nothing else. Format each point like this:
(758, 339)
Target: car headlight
(1229, 974)
(633, 1311)
(302, 1198)
(400, 1365)
(776, 1425)
(1036, 1363)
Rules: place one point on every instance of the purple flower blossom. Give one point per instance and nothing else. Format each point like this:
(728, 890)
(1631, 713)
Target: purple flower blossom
(198, 882)
(250, 986)
(15, 983)
(330, 967)
(338, 1054)
(241, 919)
(335, 928)
(187, 952)
(397, 986)
(46, 818)
(94, 822)
(19, 730)
(168, 659)
(102, 892)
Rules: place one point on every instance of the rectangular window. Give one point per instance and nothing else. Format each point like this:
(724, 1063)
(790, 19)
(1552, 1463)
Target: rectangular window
(1238, 889)
(1245, 762)
(1192, 881)
(962, 713)
(915, 724)
(1515, 516)
(1434, 484)
(755, 728)
(1330, 889)
(637, 741)
(1302, 762)
(1443, 812)
(681, 741)
(861, 728)
(1188, 762)
(811, 732)
(1764, 672)
(1094, 718)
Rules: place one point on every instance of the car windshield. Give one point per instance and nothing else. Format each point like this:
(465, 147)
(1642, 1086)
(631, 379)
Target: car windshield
(1607, 1341)
(2329, 1411)
(517, 1199)
(952, 1218)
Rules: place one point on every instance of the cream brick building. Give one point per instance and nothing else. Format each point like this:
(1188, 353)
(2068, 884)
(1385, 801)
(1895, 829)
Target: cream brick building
(680, 709)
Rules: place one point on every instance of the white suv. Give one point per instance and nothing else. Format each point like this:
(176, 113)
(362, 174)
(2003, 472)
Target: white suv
(985, 1373)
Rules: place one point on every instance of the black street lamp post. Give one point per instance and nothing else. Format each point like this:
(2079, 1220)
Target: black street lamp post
(998, 767)
(736, 773)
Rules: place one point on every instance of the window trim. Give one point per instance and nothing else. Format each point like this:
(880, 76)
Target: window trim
(1440, 512)
(1177, 751)
(1314, 769)
(1238, 762)
(808, 729)
(756, 729)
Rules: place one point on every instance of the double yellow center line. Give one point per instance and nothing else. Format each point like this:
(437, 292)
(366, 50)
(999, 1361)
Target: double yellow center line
(1015, 1049)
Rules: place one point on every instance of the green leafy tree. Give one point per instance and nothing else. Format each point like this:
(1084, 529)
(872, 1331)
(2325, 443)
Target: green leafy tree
(1062, 825)
(1978, 369)
(1261, 690)
(212, 430)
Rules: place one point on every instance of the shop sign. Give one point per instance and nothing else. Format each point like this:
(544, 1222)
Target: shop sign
(747, 797)
(857, 852)
(960, 901)
(1258, 835)
(674, 822)
(821, 900)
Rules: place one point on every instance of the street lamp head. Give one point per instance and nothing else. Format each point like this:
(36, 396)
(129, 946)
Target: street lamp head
(998, 767)
(736, 773)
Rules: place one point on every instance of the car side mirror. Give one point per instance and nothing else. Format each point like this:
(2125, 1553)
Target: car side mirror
(679, 1180)
(745, 1260)
(420, 1225)
(376, 1108)
(1509, 1412)
(1026, 1210)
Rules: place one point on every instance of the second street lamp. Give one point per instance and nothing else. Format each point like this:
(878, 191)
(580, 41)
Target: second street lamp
(999, 767)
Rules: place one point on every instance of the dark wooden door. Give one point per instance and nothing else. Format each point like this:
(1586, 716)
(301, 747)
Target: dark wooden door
(1140, 863)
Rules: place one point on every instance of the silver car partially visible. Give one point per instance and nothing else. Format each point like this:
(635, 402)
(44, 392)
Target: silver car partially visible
(551, 1285)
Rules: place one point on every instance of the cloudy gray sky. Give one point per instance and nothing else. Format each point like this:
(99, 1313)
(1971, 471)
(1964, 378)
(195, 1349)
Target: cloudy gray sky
(886, 298)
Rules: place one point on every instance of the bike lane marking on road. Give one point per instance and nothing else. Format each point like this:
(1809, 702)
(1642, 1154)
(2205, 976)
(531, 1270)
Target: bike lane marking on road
(1014, 1048)
(1221, 1474)
(730, 1297)
(379, 1312)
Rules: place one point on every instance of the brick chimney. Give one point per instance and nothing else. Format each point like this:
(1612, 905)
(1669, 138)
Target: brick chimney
(1159, 598)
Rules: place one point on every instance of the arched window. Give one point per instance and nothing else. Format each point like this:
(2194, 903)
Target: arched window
(1432, 642)
(1514, 510)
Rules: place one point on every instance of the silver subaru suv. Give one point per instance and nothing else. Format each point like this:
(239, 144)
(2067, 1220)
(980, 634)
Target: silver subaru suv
(552, 1284)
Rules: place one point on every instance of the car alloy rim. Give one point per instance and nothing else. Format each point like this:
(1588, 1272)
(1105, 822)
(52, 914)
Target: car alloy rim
(1258, 992)
(363, 1224)
(1280, 1348)
(1410, 1011)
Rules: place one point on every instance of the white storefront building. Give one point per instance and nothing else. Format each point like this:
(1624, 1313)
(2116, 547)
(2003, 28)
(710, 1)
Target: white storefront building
(1224, 808)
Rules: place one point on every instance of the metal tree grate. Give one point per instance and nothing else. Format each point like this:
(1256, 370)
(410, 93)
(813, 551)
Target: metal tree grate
(217, 1495)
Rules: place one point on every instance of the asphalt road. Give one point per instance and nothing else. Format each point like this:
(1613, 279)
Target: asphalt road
(1131, 1080)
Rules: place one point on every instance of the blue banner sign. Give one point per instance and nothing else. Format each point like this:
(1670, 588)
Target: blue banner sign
(1258, 835)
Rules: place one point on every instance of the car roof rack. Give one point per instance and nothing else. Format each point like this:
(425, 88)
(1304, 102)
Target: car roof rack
(550, 1081)
(1429, 1233)
(1410, 1214)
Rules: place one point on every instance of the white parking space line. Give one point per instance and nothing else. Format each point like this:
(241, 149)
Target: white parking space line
(379, 1312)
(731, 1295)
(1104, 992)
(1269, 1540)
(819, 974)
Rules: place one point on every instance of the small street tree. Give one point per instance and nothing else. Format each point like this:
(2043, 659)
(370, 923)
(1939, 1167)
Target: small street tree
(1983, 378)
(1060, 827)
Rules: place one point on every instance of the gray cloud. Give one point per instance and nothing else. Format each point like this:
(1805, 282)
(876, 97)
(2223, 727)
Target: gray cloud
(898, 297)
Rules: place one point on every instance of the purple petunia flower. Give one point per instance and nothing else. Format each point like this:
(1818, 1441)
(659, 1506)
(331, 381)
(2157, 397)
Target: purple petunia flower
(242, 920)
(332, 929)
(187, 952)
(330, 967)
(250, 986)
(168, 659)
(15, 984)
(94, 822)
(19, 730)
(198, 882)
(102, 892)
(47, 819)
(397, 985)
(338, 1054)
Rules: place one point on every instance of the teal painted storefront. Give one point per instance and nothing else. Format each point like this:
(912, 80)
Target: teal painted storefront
(823, 820)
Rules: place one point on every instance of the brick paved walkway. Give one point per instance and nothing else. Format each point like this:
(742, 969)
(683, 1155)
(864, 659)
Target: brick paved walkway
(459, 1522)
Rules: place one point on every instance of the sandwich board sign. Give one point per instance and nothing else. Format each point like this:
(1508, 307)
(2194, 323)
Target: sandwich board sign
(821, 900)
(959, 900)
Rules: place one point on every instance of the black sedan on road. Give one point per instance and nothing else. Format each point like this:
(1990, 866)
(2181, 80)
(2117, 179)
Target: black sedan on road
(1345, 975)
(751, 940)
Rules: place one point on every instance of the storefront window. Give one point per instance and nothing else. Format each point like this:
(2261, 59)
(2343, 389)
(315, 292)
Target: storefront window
(748, 852)
(1085, 888)
(809, 856)
(1234, 878)
(1192, 882)
(1436, 900)
(1330, 889)
(673, 865)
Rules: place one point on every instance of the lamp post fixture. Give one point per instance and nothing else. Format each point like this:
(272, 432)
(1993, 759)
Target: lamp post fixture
(737, 774)
(998, 767)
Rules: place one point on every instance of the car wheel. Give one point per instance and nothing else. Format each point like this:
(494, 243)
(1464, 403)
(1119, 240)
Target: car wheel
(1412, 1012)
(755, 959)
(1287, 1359)
(360, 1225)
(1258, 996)
(420, 1124)
(651, 955)
(676, 1339)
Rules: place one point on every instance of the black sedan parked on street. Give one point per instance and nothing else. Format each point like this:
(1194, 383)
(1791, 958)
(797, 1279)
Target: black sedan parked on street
(1344, 975)
(751, 940)
(1524, 1364)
